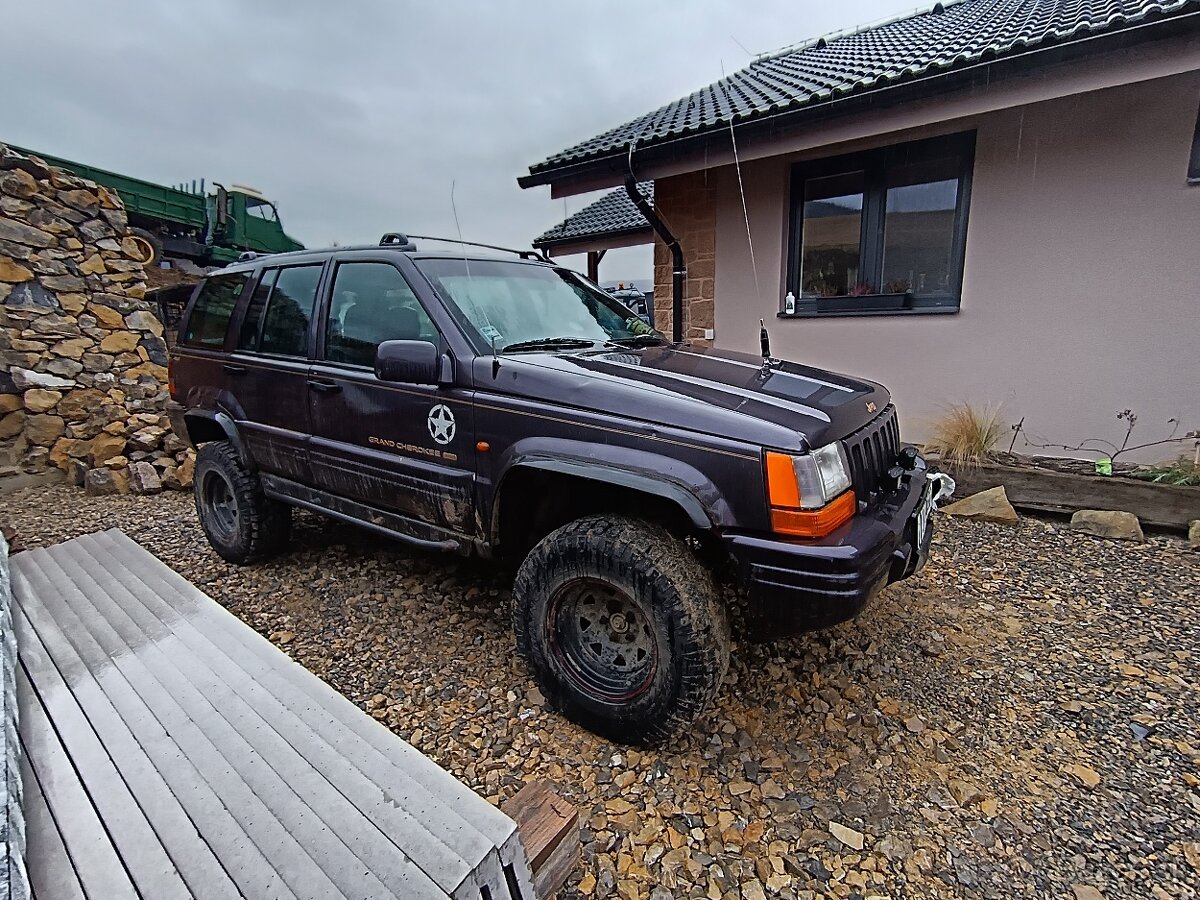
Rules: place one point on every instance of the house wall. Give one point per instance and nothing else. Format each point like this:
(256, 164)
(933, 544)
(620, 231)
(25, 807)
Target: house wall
(688, 205)
(1081, 292)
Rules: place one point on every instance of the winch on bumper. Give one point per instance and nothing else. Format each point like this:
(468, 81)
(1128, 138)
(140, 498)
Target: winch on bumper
(796, 586)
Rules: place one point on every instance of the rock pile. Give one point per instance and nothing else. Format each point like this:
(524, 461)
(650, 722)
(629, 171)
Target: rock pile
(83, 380)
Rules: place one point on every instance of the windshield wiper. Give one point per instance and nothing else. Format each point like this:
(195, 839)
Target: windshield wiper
(639, 340)
(561, 343)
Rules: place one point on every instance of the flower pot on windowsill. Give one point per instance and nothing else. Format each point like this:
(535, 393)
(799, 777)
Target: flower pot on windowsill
(862, 303)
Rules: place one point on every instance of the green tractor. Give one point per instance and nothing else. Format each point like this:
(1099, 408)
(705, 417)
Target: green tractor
(189, 222)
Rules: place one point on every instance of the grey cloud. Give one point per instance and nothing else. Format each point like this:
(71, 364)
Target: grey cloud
(356, 117)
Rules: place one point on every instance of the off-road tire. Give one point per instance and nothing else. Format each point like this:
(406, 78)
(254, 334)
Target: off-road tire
(257, 527)
(669, 586)
(149, 242)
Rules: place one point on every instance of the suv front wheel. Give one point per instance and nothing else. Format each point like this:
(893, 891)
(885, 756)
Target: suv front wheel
(240, 522)
(622, 628)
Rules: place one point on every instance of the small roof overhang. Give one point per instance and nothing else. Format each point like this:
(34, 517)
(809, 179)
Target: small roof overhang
(605, 224)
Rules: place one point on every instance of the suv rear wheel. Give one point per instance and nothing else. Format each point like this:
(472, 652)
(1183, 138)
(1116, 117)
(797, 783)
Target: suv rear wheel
(622, 628)
(240, 522)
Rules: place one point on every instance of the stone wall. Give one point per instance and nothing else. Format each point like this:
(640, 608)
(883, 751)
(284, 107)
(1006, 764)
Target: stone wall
(688, 204)
(83, 380)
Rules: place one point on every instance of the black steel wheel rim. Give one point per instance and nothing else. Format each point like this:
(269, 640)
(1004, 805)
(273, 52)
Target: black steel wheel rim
(223, 514)
(603, 640)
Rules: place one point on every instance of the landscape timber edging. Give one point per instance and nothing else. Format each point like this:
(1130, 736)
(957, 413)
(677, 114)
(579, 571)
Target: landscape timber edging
(1160, 505)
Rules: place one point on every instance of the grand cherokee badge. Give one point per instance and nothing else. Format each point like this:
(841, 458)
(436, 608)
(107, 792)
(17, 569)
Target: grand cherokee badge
(441, 424)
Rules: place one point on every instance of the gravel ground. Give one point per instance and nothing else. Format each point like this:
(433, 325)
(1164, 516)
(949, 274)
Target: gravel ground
(1019, 720)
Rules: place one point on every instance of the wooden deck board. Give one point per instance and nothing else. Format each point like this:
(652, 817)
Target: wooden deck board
(359, 739)
(239, 855)
(318, 861)
(443, 844)
(51, 873)
(156, 871)
(188, 757)
(95, 860)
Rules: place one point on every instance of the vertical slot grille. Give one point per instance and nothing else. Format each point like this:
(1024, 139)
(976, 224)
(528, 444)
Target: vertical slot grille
(872, 450)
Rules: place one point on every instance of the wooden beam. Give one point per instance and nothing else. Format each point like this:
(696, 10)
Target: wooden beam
(1162, 505)
(593, 263)
(549, 830)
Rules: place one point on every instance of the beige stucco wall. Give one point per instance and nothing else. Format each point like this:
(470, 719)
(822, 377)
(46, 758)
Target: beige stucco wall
(1081, 293)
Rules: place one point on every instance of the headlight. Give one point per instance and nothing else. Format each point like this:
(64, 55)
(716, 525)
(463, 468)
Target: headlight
(810, 494)
(822, 475)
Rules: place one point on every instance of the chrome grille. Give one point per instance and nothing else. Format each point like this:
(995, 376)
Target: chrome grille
(872, 451)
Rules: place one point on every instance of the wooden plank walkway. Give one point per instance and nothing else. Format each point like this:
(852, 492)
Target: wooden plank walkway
(172, 752)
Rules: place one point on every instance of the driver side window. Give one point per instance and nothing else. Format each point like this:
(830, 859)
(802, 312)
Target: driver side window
(372, 303)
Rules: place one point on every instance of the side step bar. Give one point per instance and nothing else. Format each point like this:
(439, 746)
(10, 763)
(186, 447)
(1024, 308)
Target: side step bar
(389, 524)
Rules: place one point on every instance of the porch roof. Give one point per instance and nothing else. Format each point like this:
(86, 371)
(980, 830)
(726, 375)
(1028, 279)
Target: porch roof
(612, 221)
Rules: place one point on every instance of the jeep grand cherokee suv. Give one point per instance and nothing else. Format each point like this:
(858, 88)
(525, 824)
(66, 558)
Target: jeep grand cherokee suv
(509, 408)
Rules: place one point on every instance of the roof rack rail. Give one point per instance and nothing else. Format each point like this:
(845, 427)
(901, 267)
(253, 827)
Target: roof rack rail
(247, 254)
(397, 239)
(524, 254)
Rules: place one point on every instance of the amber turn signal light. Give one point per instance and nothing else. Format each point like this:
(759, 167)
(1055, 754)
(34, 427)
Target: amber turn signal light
(782, 487)
(814, 523)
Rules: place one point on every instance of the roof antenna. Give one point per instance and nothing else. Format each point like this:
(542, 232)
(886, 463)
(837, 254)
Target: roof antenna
(741, 187)
(764, 344)
(458, 227)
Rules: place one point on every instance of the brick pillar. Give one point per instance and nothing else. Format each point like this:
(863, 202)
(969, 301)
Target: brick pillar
(688, 205)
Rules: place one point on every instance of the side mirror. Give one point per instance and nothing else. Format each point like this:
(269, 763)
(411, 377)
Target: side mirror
(410, 362)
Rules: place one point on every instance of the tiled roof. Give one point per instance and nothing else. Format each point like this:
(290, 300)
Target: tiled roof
(946, 37)
(612, 214)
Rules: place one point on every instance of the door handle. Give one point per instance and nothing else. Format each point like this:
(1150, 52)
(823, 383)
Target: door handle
(326, 387)
(234, 370)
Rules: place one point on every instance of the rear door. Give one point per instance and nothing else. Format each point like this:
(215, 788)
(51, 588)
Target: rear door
(267, 373)
(404, 448)
(198, 358)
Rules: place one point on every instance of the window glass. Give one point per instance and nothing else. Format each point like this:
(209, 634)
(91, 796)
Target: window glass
(882, 230)
(831, 235)
(372, 303)
(248, 338)
(289, 310)
(504, 303)
(213, 308)
(918, 229)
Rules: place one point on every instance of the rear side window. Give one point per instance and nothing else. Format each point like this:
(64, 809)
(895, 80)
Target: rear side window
(213, 309)
(252, 322)
(279, 314)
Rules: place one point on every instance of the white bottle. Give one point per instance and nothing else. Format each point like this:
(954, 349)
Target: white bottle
(789, 303)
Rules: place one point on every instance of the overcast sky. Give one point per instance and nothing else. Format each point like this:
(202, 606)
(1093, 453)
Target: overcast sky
(357, 117)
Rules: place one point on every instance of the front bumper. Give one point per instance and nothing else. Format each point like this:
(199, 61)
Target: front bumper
(796, 586)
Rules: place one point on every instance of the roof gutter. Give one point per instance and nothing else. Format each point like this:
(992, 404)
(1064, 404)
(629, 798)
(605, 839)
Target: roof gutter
(678, 269)
(904, 89)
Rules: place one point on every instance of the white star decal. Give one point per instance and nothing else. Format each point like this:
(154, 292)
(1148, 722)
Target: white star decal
(441, 424)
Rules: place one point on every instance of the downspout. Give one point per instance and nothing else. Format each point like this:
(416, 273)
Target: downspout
(678, 270)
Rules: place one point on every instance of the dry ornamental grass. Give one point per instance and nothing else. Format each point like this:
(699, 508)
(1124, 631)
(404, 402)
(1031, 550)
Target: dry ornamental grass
(965, 435)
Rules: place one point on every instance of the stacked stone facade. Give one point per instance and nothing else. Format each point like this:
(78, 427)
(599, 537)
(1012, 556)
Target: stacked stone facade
(83, 376)
(688, 205)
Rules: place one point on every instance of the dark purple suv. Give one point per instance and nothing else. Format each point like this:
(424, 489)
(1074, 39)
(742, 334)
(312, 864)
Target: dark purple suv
(507, 407)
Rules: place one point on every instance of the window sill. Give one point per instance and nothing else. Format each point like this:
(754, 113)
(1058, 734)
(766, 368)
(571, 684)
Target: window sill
(831, 314)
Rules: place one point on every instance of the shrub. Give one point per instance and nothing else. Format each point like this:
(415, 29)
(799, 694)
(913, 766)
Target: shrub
(1182, 471)
(964, 436)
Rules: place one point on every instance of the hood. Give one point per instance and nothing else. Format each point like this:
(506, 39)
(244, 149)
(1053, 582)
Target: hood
(703, 390)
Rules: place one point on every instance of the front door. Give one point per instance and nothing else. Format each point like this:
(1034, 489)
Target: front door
(268, 372)
(404, 448)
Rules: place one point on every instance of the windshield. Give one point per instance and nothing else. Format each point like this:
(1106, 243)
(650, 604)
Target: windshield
(503, 303)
